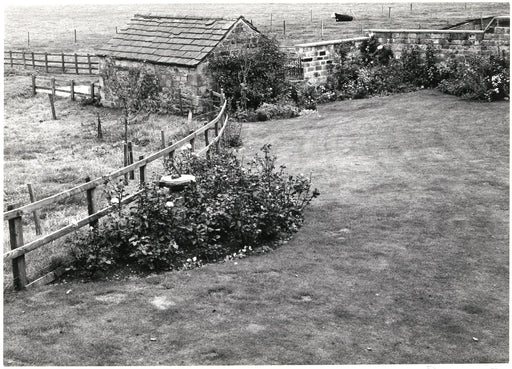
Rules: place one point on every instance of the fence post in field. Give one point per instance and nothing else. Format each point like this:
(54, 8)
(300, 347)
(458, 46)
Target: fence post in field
(89, 63)
(52, 81)
(75, 35)
(33, 84)
(28, 38)
(284, 27)
(217, 143)
(76, 64)
(91, 204)
(24, 61)
(72, 90)
(19, 270)
(52, 105)
(92, 90)
(100, 132)
(33, 61)
(270, 22)
(37, 222)
(46, 61)
(10, 57)
(389, 12)
(130, 159)
(63, 64)
(311, 11)
(142, 171)
(322, 29)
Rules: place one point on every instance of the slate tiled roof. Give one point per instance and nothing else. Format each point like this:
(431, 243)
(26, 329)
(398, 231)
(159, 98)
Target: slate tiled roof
(169, 40)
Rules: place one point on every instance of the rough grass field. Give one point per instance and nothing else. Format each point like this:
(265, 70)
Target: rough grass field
(56, 155)
(52, 27)
(402, 259)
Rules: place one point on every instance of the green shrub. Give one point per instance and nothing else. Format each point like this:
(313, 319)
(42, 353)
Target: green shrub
(230, 208)
(478, 78)
(276, 111)
(250, 75)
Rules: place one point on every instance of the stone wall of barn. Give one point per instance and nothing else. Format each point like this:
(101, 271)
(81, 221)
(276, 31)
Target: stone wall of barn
(193, 84)
(447, 43)
(317, 57)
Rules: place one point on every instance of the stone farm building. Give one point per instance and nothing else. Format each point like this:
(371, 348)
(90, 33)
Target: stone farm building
(177, 49)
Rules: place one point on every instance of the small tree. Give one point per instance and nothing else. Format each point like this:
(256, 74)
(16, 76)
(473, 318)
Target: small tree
(250, 75)
(134, 90)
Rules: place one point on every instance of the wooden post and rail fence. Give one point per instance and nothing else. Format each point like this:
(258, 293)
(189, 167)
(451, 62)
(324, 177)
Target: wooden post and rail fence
(58, 86)
(52, 62)
(15, 215)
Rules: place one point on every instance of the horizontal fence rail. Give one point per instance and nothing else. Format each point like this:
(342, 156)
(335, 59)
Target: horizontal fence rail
(52, 62)
(57, 86)
(15, 215)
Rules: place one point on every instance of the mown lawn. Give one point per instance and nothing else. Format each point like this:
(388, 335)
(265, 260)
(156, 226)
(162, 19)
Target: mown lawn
(403, 259)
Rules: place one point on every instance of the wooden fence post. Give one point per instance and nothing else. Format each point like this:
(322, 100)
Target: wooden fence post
(91, 204)
(92, 90)
(76, 64)
(24, 60)
(125, 160)
(100, 131)
(52, 81)
(89, 63)
(142, 172)
(33, 61)
(19, 270)
(284, 27)
(75, 35)
(217, 143)
(28, 38)
(207, 143)
(72, 90)
(192, 141)
(37, 222)
(63, 64)
(389, 12)
(46, 61)
(10, 57)
(162, 136)
(52, 105)
(270, 22)
(130, 159)
(33, 84)
(322, 29)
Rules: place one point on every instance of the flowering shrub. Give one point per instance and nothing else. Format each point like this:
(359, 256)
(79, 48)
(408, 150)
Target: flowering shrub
(230, 210)
(276, 111)
(478, 78)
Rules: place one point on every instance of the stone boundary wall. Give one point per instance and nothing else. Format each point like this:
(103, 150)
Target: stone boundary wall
(447, 43)
(317, 57)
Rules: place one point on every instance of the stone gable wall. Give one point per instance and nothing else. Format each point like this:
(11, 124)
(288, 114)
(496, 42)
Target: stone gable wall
(317, 57)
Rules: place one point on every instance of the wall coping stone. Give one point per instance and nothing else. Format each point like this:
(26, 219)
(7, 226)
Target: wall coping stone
(332, 42)
(425, 31)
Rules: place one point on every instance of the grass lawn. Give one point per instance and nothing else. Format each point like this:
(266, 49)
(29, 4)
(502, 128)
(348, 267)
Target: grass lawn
(403, 258)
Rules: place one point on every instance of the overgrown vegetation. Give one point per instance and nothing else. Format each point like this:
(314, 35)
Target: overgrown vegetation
(372, 70)
(230, 209)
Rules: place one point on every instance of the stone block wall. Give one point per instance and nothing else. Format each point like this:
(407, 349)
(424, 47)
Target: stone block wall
(317, 57)
(447, 43)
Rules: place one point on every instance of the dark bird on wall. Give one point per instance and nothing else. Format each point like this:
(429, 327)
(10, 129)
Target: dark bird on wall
(342, 17)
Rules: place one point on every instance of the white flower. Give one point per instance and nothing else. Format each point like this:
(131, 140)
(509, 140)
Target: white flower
(194, 259)
(169, 204)
(114, 200)
(380, 47)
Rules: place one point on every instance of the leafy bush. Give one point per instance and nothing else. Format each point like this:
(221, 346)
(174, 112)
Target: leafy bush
(250, 75)
(276, 111)
(478, 78)
(419, 71)
(230, 208)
